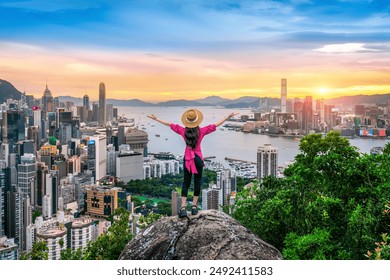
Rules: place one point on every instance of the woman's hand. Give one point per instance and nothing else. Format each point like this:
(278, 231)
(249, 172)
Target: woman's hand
(153, 117)
(232, 115)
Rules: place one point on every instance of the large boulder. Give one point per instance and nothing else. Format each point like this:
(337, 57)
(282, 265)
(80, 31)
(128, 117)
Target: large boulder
(209, 235)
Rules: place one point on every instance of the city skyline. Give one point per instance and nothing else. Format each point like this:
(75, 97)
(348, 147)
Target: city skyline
(158, 51)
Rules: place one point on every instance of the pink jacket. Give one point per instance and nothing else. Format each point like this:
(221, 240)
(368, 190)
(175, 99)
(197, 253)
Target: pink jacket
(189, 154)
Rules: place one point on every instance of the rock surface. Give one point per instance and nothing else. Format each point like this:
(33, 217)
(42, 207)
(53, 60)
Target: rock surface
(209, 235)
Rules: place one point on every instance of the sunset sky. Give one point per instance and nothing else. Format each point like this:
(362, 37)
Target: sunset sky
(159, 50)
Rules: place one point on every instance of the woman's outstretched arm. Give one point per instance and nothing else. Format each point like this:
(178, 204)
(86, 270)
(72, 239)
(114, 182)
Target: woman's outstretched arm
(153, 117)
(225, 119)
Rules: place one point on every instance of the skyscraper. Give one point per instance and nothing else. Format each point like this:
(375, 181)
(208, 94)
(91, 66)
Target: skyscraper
(99, 147)
(47, 101)
(13, 128)
(307, 117)
(211, 198)
(2, 202)
(283, 99)
(175, 202)
(52, 194)
(226, 182)
(26, 176)
(322, 111)
(267, 161)
(102, 103)
(109, 112)
(86, 101)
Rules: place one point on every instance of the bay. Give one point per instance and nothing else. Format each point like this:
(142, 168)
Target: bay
(222, 143)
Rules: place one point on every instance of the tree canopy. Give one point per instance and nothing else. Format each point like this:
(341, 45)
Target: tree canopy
(329, 205)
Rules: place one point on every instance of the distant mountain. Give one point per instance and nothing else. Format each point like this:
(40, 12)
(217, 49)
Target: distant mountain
(360, 99)
(8, 91)
(132, 102)
(212, 100)
(181, 102)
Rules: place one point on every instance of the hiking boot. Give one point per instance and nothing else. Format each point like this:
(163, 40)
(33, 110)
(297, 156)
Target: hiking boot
(182, 212)
(194, 210)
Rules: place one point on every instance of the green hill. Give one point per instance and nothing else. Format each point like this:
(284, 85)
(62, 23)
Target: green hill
(7, 91)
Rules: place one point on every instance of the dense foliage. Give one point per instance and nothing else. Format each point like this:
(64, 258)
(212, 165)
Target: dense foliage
(163, 187)
(107, 246)
(330, 205)
(39, 251)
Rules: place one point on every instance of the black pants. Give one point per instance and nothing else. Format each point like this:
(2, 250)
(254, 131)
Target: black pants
(188, 176)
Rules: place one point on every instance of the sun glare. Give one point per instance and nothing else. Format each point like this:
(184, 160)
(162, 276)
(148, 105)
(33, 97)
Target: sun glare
(323, 90)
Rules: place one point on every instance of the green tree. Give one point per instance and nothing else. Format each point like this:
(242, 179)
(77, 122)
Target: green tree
(149, 219)
(35, 214)
(165, 208)
(331, 188)
(39, 251)
(111, 244)
(382, 250)
(68, 254)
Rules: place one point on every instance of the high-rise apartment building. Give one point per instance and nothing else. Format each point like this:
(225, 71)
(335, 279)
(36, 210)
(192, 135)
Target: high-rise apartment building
(52, 237)
(14, 214)
(283, 97)
(102, 103)
(175, 202)
(226, 182)
(211, 198)
(82, 233)
(8, 249)
(267, 161)
(2, 202)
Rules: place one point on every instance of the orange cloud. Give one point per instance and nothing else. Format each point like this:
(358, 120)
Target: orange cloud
(167, 76)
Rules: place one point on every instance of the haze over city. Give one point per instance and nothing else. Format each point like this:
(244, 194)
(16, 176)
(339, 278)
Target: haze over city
(164, 50)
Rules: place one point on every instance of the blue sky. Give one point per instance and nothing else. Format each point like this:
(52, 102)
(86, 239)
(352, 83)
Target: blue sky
(224, 31)
(194, 25)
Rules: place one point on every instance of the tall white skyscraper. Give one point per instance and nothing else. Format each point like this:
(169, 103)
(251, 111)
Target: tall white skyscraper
(283, 99)
(100, 155)
(267, 161)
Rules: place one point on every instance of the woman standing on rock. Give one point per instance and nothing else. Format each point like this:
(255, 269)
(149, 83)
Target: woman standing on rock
(193, 158)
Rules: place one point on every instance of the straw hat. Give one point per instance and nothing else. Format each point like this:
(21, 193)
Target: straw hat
(192, 118)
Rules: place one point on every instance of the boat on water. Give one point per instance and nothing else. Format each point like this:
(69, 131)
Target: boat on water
(157, 135)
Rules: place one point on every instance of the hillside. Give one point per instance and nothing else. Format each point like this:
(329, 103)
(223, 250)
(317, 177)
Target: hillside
(7, 90)
(360, 99)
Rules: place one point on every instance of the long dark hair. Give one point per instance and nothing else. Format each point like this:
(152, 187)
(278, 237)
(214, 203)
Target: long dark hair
(192, 135)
